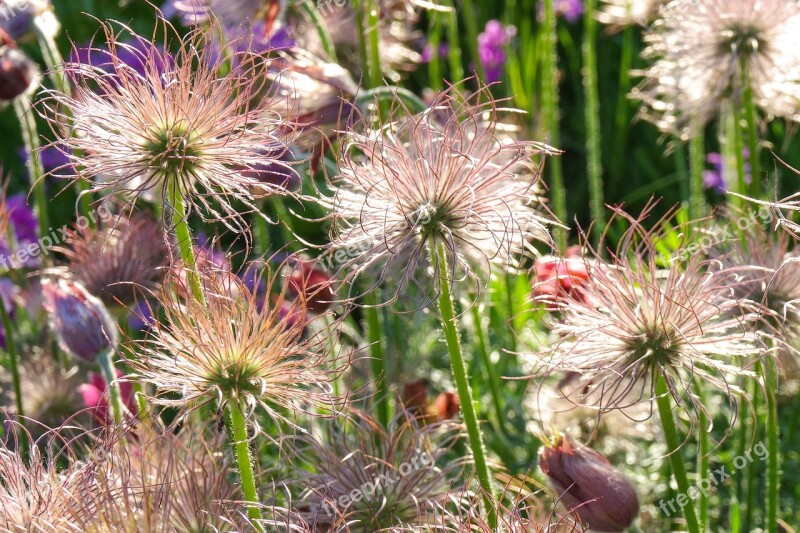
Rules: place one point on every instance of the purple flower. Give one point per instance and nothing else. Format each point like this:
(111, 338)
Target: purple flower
(428, 53)
(54, 158)
(133, 53)
(571, 10)
(717, 179)
(24, 231)
(491, 48)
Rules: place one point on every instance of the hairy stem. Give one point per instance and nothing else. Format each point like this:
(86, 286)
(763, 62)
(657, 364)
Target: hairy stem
(377, 357)
(550, 110)
(468, 406)
(106, 363)
(673, 448)
(244, 462)
(184, 236)
(594, 166)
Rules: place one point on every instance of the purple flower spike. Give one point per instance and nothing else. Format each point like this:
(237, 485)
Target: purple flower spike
(491, 48)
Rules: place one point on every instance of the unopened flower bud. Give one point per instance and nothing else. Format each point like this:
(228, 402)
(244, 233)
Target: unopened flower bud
(312, 285)
(18, 74)
(81, 322)
(590, 486)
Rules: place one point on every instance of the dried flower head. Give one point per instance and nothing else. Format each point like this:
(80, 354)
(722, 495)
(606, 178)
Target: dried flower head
(159, 481)
(177, 129)
(706, 51)
(50, 392)
(118, 260)
(236, 347)
(641, 322)
(449, 176)
(768, 276)
(372, 479)
(621, 13)
(36, 496)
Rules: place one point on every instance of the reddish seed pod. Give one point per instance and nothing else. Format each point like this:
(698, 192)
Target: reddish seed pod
(590, 486)
(17, 73)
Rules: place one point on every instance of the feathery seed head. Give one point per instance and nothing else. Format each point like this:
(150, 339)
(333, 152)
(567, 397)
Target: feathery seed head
(236, 347)
(705, 50)
(119, 259)
(172, 123)
(393, 472)
(638, 321)
(449, 176)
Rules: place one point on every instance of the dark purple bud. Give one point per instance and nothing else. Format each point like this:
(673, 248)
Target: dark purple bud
(83, 326)
(590, 486)
(18, 74)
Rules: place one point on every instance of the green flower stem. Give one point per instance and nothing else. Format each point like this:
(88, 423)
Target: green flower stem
(13, 361)
(738, 146)
(106, 363)
(30, 137)
(313, 13)
(260, 234)
(751, 117)
(244, 462)
(453, 40)
(51, 56)
(673, 448)
(550, 109)
(703, 456)
(594, 165)
(773, 473)
(377, 357)
(696, 165)
(434, 40)
(468, 405)
(494, 381)
(470, 17)
(368, 22)
(621, 114)
(55, 71)
(184, 237)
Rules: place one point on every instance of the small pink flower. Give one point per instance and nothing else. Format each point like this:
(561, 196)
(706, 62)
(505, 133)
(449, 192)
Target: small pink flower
(94, 397)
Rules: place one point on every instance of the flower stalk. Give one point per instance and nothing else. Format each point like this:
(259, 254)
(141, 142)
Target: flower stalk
(244, 461)
(468, 407)
(13, 361)
(674, 449)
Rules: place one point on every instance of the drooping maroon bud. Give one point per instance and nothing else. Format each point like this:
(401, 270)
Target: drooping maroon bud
(17, 73)
(312, 285)
(81, 322)
(446, 405)
(558, 279)
(590, 486)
